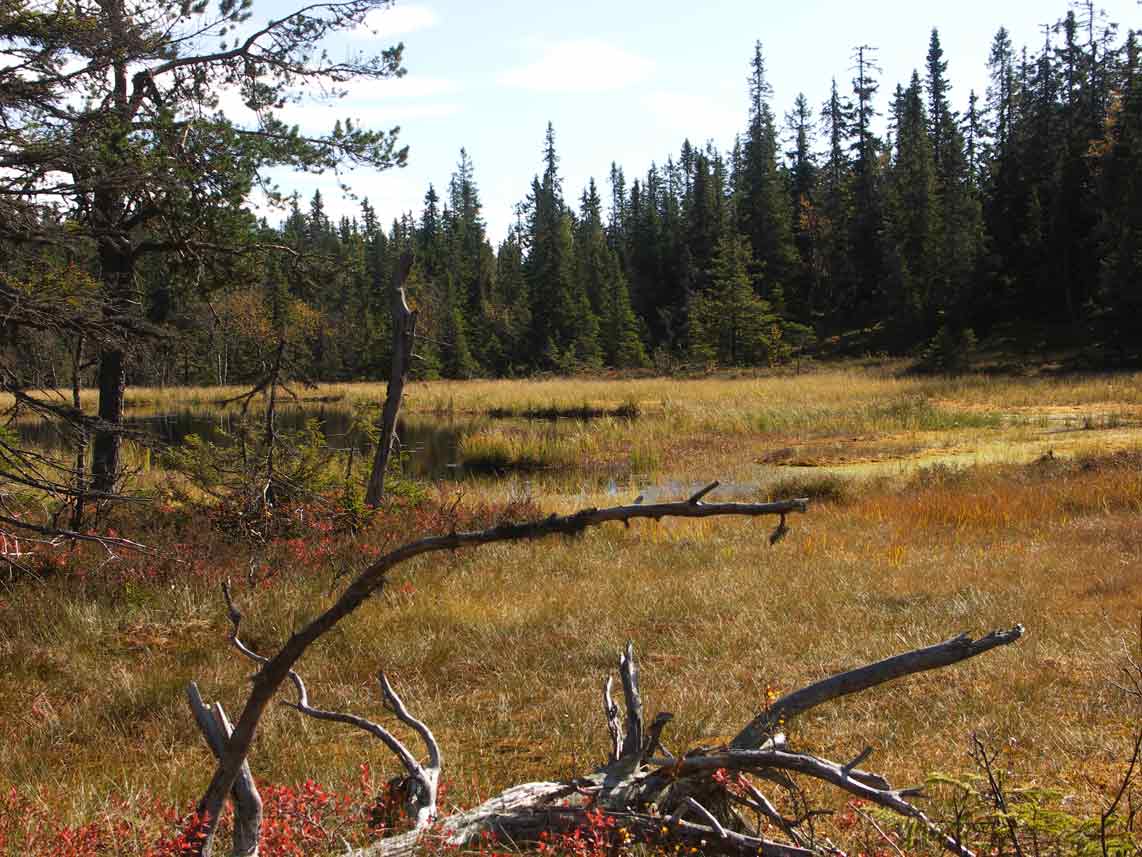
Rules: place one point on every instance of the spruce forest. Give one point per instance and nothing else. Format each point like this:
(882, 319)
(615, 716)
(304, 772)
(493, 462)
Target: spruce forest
(870, 218)
(310, 533)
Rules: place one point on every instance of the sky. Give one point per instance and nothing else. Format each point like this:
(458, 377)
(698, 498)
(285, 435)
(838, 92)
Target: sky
(623, 80)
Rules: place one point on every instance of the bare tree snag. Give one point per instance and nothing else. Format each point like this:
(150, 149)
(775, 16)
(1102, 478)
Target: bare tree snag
(277, 669)
(420, 787)
(404, 334)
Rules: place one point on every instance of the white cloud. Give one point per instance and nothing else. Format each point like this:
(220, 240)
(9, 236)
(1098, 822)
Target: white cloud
(698, 117)
(369, 103)
(409, 86)
(580, 65)
(319, 118)
(396, 20)
(391, 193)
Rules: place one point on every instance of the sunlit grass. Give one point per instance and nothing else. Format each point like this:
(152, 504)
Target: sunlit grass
(940, 507)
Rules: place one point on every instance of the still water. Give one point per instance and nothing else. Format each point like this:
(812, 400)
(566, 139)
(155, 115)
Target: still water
(429, 444)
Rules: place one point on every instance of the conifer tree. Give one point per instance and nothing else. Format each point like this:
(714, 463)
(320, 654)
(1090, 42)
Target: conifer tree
(803, 206)
(729, 323)
(940, 119)
(913, 208)
(763, 211)
(1121, 191)
(564, 331)
(866, 299)
(599, 274)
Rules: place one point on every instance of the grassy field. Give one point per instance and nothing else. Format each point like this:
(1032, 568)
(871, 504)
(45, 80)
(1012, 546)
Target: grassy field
(941, 505)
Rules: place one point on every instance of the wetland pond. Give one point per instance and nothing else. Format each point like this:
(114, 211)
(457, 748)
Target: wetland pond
(622, 450)
(430, 445)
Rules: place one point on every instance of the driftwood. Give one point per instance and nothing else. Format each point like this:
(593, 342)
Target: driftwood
(216, 729)
(278, 668)
(404, 334)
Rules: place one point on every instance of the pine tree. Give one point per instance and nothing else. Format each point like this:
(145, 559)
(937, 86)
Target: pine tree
(957, 217)
(763, 211)
(510, 313)
(564, 331)
(598, 273)
(940, 119)
(803, 207)
(913, 208)
(835, 221)
(729, 323)
(470, 262)
(1121, 192)
(867, 299)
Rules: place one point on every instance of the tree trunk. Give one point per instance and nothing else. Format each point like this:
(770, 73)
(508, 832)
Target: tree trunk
(108, 441)
(117, 271)
(404, 332)
(81, 439)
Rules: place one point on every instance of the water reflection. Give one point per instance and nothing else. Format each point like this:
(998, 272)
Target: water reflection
(429, 446)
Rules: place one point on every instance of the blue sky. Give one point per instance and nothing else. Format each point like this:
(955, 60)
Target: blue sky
(625, 80)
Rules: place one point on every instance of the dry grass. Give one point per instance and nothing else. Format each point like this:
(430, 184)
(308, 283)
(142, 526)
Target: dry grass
(502, 650)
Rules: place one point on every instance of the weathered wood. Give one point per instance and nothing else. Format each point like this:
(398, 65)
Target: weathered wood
(215, 727)
(425, 779)
(628, 672)
(520, 814)
(820, 769)
(404, 336)
(932, 657)
(614, 724)
(650, 800)
(275, 670)
(654, 735)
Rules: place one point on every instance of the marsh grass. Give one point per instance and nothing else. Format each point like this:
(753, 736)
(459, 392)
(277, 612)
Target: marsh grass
(502, 650)
(499, 451)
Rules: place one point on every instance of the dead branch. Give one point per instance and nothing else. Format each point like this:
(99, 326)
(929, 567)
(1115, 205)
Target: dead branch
(215, 727)
(628, 671)
(276, 669)
(940, 655)
(693, 800)
(651, 802)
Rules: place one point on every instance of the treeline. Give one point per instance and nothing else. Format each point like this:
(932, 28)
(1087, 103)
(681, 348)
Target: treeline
(898, 216)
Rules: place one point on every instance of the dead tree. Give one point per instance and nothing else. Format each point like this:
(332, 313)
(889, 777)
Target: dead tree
(404, 334)
(704, 798)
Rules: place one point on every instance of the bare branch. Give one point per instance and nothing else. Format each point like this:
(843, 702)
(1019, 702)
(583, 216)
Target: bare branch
(397, 707)
(277, 669)
(422, 801)
(215, 727)
(940, 655)
(698, 495)
(56, 534)
(829, 772)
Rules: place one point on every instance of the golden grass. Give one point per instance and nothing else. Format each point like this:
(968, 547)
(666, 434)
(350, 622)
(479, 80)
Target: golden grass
(502, 650)
(817, 389)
